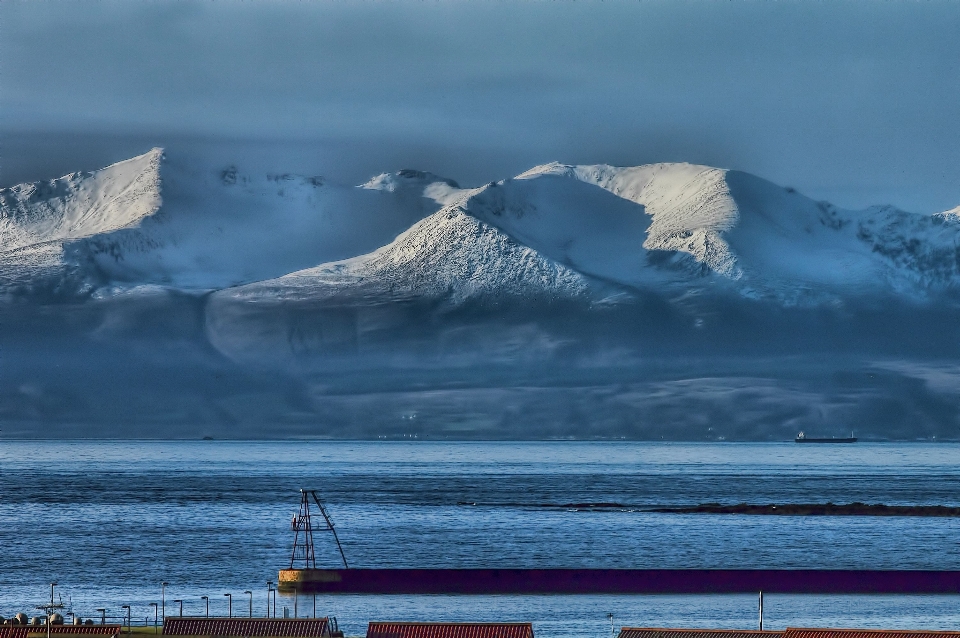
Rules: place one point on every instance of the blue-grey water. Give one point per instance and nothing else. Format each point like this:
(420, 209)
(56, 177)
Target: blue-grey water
(109, 521)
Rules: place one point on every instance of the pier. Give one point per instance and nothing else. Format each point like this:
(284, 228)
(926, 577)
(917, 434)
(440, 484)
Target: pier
(618, 581)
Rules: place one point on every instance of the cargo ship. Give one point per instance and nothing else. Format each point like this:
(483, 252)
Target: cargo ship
(803, 438)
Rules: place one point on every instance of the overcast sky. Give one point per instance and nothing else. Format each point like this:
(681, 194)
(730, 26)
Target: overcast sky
(855, 102)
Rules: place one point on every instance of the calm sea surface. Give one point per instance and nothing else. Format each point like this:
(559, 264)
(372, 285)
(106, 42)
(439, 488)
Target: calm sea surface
(108, 521)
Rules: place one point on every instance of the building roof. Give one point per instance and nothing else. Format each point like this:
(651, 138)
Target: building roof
(642, 632)
(21, 631)
(108, 630)
(448, 630)
(790, 632)
(793, 632)
(287, 627)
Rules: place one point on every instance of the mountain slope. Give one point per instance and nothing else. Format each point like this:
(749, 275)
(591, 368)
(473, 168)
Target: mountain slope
(767, 240)
(37, 220)
(213, 227)
(222, 227)
(663, 301)
(80, 204)
(443, 262)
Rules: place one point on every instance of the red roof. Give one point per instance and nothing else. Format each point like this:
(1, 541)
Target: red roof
(637, 632)
(793, 632)
(108, 630)
(448, 630)
(21, 631)
(290, 627)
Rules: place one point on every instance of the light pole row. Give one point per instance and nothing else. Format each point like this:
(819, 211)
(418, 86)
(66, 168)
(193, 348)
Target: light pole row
(160, 611)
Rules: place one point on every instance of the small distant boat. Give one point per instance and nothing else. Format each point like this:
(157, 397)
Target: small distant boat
(803, 438)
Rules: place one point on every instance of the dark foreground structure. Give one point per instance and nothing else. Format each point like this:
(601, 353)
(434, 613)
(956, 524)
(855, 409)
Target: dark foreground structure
(789, 632)
(618, 581)
(282, 627)
(449, 630)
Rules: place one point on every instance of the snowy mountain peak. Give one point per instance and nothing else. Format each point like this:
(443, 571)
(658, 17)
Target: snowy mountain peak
(80, 204)
(450, 256)
(441, 190)
(406, 178)
(953, 214)
(690, 206)
(223, 225)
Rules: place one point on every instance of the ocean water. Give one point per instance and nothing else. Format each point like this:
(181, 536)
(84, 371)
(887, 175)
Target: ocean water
(110, 520)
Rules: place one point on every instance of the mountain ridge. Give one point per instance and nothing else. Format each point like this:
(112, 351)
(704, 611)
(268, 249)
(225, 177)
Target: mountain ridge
(651, 227)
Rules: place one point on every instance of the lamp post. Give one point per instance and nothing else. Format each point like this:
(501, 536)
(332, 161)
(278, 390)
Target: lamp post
(269, 589)
(181, 606)
(48, 609)
(163, 599)
(127, 607)
(761, 611)
(155, 616)
(103, 615)
(230, 598)
(206, 599)
(251, 601)
(50, 612)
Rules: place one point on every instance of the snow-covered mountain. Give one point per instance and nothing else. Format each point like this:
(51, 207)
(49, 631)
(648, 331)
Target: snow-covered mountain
(562, 230)
(649, 228)
(37, 220)
(764, 239)
(182, 224)
(566, 297)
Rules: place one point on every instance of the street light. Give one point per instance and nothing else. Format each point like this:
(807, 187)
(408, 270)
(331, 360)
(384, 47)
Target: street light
(269, 589)
(103, 615)
(251, 601)
(181, 606)
(49, 608)
(207, 600)
(154, 605)
(230, 597)
(163, 599)
(127, 607)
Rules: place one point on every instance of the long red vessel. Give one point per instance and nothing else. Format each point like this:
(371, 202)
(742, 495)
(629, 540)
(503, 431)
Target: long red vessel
(618, 581)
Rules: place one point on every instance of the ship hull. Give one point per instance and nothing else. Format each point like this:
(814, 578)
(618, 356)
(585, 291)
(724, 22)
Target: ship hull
(617, 581)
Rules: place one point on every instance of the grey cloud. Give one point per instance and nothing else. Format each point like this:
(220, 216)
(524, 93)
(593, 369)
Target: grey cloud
(848, 101)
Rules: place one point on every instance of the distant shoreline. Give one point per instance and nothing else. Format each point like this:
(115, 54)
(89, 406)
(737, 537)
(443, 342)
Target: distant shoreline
(771, 509)
(816, 509)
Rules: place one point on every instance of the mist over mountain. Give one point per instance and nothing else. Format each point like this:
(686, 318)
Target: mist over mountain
(167, 297)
